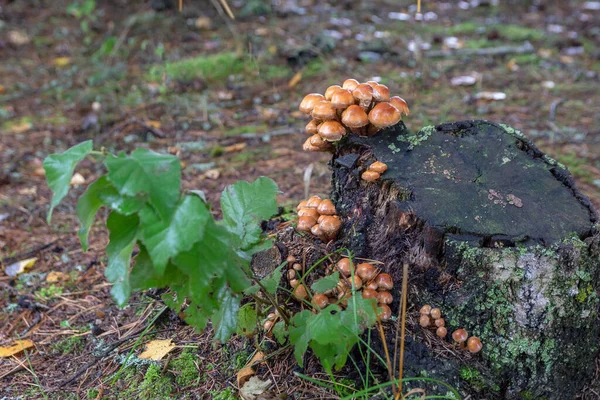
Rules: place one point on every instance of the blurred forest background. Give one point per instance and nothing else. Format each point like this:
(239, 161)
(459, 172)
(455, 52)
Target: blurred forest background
(223, 95)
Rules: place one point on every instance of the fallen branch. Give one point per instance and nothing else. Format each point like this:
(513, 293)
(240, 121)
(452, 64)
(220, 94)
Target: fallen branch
(488, 51)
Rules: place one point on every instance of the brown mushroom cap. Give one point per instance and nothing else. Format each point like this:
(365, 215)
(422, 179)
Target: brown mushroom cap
(332, 131)
(378, 167)
(384, 281)
(300, 292)
(372, 285)
(370, 176)
(355, 281)
(302, 204)
(268, 325)
(291, 274)
(354, 117)
(318, 232)
(320, 301)
(312, 127)
(326, 207)
(345, 266)
(307, 146)
(384, 115)
(323, 111)
(400, 104)
(366, 271)
(313, 202)
(342, 99)
(305, 223)
(386, 313)
(290, 259)
(380, 92)
(424, 321)
(331, 90)
(474, 344)
(369, 293)
(441, 332)
(350, 84)
(330, 225)
(440, 322)
(460, 335)
(426, 309)
(317, 140)
(310, 100)
(363, 94)
(385, 297)
(320, 218)
(311, 212)
(436, 313)
(297, 267)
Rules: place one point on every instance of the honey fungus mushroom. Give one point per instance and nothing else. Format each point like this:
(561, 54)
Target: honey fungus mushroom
(332, 131)
(309, 102)
(370, 176)
(382, 116)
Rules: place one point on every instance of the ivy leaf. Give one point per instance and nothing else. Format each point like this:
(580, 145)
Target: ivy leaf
(123, 230)
(166, 239)
(224, 319)
(244, 205)
(326, 283)
(59, 170)
(88, 205)
(153, 175)
(247, 320)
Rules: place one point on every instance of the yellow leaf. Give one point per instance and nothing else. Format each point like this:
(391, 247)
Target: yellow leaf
(15, 348)
(19, 267)
(248, 371)
(154, 124)
(157, 349)
(20, 127)
(295, 79)
(61, 61)
(56, 276)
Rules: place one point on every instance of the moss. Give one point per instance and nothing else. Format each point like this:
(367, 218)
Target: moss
(213, 67)
(92, 393)
(418, 138)
(227, 394)
(49, 292)
(473, 377)
(185, 369)
(69, 345)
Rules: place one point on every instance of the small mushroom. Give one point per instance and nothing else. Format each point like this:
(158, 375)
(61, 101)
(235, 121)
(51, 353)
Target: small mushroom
(332, 131)
(301, 205)
(363, 94)
(355, 281)
(385, 297)
(310, 100)
(300, 292)
(441, 332)
(366, 271)
(323, 111)
(426, 309)
(268, 325)
(378, 167)
(400, 104)
(380, 92)
(372, 285)
(297, 267)
(318, 232)
(386, 313)
(331, 90)
(382, 116)
(313, 202)
(308, 146)
(320, 301)
(326, 207)
(350, 84)
(317, 140)
(305, 223)
(356, 119)
(290, 259)
(384, 281)
(424, 321)
(294, 283)
(440, 322)
(291, 274)
(369, 293)
(344, 265)
(342, 99)
(370, 176)
(460, 336)
(436, 313)
(312, 127)
(310, 212)
(330, 225)
(474, 344)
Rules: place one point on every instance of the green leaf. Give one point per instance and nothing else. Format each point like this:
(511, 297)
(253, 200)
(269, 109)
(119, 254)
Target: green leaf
(144, 276)
(125, 205)
(155, 176)
(166, 239)
(247, 320)
(123, 230)
(224, 319)
(59, 170)
(298, 336)
(88, 205)
(244, 205)
(271, 281)
(326, 283)
(280, 332)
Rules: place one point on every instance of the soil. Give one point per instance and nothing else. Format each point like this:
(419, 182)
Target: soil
(110, 71)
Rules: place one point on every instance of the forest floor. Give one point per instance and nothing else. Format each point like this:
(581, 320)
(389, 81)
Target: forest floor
(223, 96)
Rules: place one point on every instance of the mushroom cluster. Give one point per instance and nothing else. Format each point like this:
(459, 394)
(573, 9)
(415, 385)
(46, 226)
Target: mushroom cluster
(293, 273)
(473, 343)
(374, 171)
(432, 317)
(360, 108)
(271, 320)
(317, 216)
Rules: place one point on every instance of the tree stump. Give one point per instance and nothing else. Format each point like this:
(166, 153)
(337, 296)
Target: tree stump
(497, 236)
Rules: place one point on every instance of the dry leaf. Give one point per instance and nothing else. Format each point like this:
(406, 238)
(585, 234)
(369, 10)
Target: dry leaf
(157, 349)
(77, 179)
(234, 147)
(212, 174)
(15, 348)
(254, 387)
(20, 127)
(19, 267)
(18, 38)
(39, 171)
(245, 373)
(153, 124)
(56, 276)
(61, 61)
(295, 79)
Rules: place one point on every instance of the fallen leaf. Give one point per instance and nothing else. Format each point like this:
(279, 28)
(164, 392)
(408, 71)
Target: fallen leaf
(19, 267)
(15, 348)
(157, 349)
(77, 179)
(212, 174)
(295, 79)
(61, 61)
(39, 171)
(234, 147)
(254, 387)
(56, 276)
(18, 38)
(154, 124)
(245, 373)
(20, 127)
(512, 65)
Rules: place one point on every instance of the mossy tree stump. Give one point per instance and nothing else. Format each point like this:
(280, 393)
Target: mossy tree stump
(497, 236)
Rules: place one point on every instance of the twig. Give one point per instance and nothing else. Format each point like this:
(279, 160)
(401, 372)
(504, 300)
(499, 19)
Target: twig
(553, 108)
(489, 51)
(133, 120)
